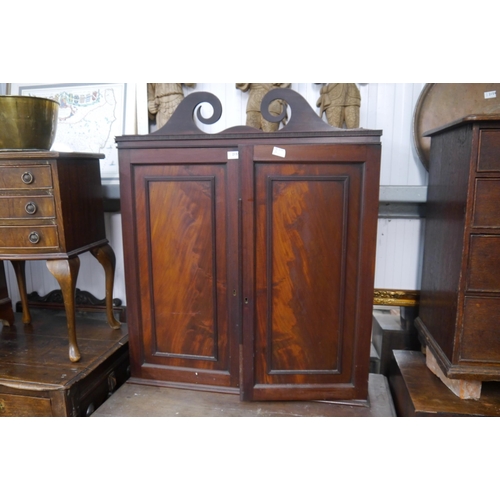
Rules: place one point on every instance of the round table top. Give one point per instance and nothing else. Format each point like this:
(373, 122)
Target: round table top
(442, 103)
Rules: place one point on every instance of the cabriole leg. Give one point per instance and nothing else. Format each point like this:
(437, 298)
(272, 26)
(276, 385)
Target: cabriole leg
(106, 257)
(65, 271)
(19, 268)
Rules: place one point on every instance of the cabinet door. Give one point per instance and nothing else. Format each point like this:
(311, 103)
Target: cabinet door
(186, 235)
(309, 232)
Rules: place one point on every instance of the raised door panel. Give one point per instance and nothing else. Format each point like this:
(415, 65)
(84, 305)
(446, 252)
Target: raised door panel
(184, 270)
(305, 320)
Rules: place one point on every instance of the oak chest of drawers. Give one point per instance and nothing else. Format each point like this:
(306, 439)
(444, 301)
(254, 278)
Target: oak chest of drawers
(51, 209)
(459, 316)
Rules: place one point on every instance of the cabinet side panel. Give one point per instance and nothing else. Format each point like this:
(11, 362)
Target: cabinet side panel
(444, 234)
(80, 192)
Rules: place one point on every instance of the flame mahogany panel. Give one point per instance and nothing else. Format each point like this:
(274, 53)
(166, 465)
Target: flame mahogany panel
(182, 227)
(301, 252)
(311, 230)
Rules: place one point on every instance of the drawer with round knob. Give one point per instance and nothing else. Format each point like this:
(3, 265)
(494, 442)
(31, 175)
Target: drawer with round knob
(31, 238)
(12, 405)
(28, 176)
(31, 207)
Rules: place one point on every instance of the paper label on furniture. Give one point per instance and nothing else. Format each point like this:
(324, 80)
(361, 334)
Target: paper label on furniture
(490, 95)
(279, 152)
(232, 155)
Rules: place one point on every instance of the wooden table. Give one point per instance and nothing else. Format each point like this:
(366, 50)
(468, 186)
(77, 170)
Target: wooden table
(38, 380)
(51, 209)
(417, 392)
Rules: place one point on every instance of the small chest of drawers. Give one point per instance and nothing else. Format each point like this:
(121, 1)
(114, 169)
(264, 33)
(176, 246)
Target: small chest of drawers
(50, 204)
(51, 209)
(460, 297)
(28, 221)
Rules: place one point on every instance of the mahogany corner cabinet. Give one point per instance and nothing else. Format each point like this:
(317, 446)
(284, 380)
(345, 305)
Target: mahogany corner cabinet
(250, 256)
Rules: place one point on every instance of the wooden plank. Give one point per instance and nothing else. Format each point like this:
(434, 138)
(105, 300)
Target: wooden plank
(137, 400)
(417, 392)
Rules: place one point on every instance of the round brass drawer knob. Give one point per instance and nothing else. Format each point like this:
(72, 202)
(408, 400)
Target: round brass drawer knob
(27, 177)
(34, 237)
(30, 208)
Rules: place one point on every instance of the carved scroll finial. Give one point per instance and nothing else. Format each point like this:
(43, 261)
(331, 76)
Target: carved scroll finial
(302, 117)
(182, 120)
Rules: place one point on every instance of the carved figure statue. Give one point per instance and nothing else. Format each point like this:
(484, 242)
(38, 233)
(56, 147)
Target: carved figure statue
(256, 92)
(163, 99)
(340, 102)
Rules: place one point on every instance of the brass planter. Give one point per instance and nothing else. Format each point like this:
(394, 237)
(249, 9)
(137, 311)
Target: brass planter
(27, 122)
